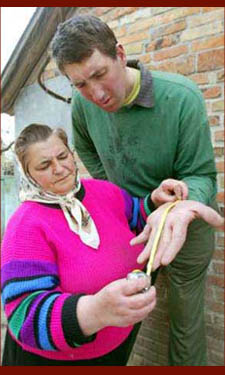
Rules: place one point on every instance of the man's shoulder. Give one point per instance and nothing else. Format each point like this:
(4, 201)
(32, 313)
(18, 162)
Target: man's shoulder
(174, 81)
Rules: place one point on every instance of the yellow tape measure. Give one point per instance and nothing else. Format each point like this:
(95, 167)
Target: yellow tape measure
(157, 237)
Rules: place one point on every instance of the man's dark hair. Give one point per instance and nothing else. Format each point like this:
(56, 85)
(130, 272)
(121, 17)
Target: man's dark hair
(78, 37)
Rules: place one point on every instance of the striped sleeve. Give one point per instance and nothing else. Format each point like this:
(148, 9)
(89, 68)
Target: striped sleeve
(137, 210)
(39, 313)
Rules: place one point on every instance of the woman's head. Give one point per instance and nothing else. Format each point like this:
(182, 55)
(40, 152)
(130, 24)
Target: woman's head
(44, 155)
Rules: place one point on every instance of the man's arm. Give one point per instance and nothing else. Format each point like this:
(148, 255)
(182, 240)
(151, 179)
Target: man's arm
(194, 163)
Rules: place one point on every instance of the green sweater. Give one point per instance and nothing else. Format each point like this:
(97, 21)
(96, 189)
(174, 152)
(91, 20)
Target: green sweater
(138, 147)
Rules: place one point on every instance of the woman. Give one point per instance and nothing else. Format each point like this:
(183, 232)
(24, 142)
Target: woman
(65, 257)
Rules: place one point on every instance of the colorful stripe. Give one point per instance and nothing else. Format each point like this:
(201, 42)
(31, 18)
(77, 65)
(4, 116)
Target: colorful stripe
(37, 309)
(43, 325)
(136, 211)
(21, 286)
(20, 269)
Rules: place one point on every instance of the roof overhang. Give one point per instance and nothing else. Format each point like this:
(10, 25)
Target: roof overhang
(30, 53)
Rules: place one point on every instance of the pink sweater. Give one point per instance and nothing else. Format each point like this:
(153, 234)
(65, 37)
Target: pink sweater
(45, 266)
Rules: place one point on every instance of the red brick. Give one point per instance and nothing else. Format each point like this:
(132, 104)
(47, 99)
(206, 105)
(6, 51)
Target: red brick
(210, 9)
(220, 76)
(183, 67)
(169, 29)
(220, 241)
(214, 120)
(218, 151)
(99, 11)
(169, 53)
(216, 280)
(122, 11)
(218, 267)
(219, 254)
(220, 166)
(212, 92)
(142, 24)
(200, 78)
(220, 197)
(163, 42)
(119, 32)
(213, 42)
(145, 58)
(210, 60)
(219, 135)
(218, 106)
(134, 37)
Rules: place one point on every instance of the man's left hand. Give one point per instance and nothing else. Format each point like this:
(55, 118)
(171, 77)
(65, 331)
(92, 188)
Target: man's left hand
(175, 230)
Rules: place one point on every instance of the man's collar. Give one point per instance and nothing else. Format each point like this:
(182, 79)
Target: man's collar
(145, 96)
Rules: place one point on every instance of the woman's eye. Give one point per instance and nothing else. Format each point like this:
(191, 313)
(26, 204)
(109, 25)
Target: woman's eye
(43, 168)
(64, 156)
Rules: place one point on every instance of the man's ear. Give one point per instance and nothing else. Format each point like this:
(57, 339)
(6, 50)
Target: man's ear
(121, 54)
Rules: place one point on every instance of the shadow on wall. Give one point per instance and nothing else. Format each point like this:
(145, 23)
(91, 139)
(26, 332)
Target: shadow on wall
(9, 199)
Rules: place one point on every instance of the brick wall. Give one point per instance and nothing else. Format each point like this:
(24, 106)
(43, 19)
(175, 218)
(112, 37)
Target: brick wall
(190, 41)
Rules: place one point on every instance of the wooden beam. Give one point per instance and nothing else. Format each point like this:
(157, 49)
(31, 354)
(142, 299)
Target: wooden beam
(30, 52)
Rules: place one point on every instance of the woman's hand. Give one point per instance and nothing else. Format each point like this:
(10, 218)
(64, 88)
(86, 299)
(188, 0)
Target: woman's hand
(118, 304)
(169, 190)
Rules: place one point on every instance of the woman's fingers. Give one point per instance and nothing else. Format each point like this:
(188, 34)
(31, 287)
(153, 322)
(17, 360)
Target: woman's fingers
(142, 237)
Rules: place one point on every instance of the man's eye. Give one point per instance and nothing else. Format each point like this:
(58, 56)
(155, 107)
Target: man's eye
(79, 85)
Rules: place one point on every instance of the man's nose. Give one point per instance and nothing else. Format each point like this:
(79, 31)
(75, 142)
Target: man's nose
(97, 93)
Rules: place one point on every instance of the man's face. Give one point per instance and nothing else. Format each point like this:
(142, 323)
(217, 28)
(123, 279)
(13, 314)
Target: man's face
(101, 79)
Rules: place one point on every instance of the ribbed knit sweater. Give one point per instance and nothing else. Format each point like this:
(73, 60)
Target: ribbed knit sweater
(46, 268)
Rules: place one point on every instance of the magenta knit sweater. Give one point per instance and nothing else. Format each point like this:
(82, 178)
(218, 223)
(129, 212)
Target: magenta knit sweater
(45, 268)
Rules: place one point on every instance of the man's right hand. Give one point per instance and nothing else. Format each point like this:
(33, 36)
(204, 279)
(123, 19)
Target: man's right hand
(169, 190)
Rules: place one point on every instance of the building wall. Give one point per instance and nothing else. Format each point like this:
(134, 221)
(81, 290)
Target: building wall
(186, 40)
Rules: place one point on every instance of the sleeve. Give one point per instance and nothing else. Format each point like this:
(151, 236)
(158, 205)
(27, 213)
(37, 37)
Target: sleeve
(83, 143)
(194, 162)
(39, 313)
(137, 210)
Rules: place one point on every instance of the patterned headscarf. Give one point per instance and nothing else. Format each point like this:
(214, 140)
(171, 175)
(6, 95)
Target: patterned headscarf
(77, 216)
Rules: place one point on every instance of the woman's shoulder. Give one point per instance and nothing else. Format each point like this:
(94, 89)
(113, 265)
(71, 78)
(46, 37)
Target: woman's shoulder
(101, 186)
(27, 213)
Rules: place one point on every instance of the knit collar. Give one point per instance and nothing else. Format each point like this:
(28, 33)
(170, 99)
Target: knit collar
(145, 97)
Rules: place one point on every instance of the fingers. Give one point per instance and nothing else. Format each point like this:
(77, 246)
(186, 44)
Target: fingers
(178, 237)
(209, 215)
(141, 300)
(145, 254)
(131, 287)
(163, 247)
(175, 187)
(142, 237)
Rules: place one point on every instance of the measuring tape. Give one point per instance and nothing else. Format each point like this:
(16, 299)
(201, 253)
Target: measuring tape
(138, 273)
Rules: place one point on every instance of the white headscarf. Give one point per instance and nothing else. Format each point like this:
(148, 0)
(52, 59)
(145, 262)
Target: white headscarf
(77, 216)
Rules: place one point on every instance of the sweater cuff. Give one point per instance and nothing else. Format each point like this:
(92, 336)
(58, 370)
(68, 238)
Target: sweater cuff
(71, 328)
(148, 205)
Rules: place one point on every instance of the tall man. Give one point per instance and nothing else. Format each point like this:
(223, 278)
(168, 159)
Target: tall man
(137, 128)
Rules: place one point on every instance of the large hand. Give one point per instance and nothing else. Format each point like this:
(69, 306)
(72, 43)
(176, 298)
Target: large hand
(175, 230)
(118, 304)
(169, 191)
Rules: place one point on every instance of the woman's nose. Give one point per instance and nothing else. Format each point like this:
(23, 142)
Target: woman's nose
(57, 167)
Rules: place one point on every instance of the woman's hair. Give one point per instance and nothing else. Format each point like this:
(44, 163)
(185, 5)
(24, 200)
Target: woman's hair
(78, 37)
(32, 134)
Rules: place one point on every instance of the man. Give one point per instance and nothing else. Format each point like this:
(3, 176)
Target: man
(137, 128)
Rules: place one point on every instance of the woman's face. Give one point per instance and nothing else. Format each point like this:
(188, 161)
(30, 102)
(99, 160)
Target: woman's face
(50, 163)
